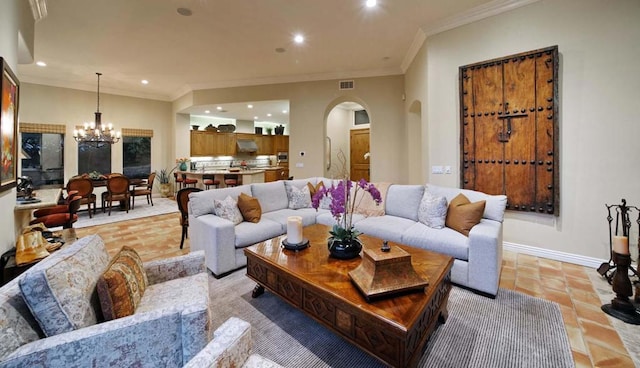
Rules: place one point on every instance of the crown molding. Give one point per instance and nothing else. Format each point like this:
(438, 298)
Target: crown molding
(475, 14)
(472, 15)
(416, 44)
(92, 88)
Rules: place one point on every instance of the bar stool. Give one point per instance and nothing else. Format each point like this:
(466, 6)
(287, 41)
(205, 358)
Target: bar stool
(231, 180)
(179, 181)
(209, 180)
(186, 182)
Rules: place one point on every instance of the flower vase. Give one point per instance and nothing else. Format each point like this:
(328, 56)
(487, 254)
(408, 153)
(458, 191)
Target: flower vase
(344, 249)
(165, 189)
(183, 166)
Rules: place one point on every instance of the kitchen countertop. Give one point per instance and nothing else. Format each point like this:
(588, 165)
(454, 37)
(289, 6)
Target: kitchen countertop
(224, 172)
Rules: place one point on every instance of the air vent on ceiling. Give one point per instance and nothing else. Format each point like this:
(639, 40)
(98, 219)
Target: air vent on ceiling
(346, 84)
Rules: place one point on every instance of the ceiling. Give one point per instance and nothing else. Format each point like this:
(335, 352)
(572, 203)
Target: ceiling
(232, 42)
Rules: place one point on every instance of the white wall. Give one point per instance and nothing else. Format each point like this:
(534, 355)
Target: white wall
(599, 45)
(338, 125)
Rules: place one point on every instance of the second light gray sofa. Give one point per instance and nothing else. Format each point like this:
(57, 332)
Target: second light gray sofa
(478, 257)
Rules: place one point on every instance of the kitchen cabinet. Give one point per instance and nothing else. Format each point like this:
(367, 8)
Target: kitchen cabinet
(275, 174)
(280, 143)
(205, 143)
(265, 144)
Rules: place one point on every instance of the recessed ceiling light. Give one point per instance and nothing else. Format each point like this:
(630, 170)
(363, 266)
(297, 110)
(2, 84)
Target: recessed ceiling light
(207, 111)
(144, 81)
(185, 11)
(255, 118)
(41, 63)
(219, 108)
(298, 38)
(250, 106)
(371, 3)
(269, 115)
(284, 111)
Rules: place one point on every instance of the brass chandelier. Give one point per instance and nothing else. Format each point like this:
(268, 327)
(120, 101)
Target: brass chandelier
(96, 132)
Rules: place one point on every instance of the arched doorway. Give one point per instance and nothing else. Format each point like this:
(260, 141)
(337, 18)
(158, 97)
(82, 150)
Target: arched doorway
(347, 149)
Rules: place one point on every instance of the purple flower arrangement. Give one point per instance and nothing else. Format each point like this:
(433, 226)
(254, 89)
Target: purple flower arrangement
(343, 205)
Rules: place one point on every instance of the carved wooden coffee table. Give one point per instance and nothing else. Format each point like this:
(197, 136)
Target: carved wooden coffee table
(394, 330)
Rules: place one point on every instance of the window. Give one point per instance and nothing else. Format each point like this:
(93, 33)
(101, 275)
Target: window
(42, 157)
(361, 117)
(136, 158)
(94, 157)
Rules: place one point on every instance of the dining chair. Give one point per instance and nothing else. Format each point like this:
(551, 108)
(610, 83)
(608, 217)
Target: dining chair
(118, 190)
(183, 201)
(84, 186)
(64, 219)
(60, 208)
(144, 191)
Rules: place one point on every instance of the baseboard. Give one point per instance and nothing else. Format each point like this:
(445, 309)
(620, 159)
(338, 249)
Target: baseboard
(554, 254)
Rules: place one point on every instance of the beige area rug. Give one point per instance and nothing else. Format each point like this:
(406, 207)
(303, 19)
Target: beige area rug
(160, 206)
(629, 334)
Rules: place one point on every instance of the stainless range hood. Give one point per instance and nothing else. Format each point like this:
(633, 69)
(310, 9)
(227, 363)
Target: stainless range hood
(246, 145)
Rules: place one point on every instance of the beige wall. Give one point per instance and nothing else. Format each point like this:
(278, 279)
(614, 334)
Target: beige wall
(14, 18)
(338, 125)
(310, 104)
(599, 128)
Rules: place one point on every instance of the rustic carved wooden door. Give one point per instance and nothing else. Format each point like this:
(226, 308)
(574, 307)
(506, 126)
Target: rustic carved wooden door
(509, 129)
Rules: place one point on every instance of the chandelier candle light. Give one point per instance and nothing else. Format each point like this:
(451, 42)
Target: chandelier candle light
(96, 131)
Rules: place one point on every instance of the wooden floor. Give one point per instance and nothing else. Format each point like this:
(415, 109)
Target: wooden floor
(594, 342)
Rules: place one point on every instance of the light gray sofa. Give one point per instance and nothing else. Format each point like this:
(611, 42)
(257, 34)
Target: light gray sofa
(477, 261)
(171, 325)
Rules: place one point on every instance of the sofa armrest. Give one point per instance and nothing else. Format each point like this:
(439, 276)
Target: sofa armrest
(149, 339)
(485, 256)
(230, 347)
(172, 268)
(216, 236)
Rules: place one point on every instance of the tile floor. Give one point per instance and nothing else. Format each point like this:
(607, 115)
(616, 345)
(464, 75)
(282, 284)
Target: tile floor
(594, 342)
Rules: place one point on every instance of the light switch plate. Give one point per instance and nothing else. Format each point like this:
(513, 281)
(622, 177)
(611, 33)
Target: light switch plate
(437, 170)
(447, 169)
(299, 164)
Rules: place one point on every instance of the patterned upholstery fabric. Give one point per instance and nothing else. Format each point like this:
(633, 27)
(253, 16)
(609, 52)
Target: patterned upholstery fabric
(121, 287)
(433, 210)
(62, 294)
(228, 210)
(17, 326)
(299, 198)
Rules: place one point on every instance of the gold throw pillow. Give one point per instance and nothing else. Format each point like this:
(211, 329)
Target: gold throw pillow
(249, 208)
(314, 189)
(462, 215)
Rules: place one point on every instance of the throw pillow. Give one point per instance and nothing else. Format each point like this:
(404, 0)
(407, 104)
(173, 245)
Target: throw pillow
(228, 210)
(433, 210)
(299, 198)
(249, 207)
(463, 215)
(314, 189)
(121, 286)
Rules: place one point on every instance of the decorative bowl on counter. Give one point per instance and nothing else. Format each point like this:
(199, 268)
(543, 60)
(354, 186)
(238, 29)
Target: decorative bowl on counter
(211, 128)
(195, 127)
(226, 128)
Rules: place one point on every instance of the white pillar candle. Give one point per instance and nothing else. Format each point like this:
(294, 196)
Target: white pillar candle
(294, 229)
(621, 244)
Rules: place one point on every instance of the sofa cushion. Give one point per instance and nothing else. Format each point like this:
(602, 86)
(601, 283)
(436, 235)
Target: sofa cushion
(314, 188)
(462, 215)
(249, 233)
(384, 227)
(228, 210)
(404, 200)
(249, 207)
(299, 198)
(493, 210)
(308, 217)
(433, 210)
(325, 217)
(272, 196)
(121, 286)
(201, 203)
(182, 291)
(445, 240)
(366, 205)
(61, 293)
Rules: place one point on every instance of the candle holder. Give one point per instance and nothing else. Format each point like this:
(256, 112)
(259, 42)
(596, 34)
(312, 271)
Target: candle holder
(621, 307)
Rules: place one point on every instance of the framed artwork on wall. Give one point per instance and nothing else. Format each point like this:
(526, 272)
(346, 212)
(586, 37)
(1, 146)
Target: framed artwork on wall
(9, 94)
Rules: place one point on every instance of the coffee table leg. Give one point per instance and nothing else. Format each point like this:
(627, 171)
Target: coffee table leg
(257, 291)
(444, 313)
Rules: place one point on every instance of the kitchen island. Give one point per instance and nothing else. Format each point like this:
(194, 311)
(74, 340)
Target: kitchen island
(246, 176)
